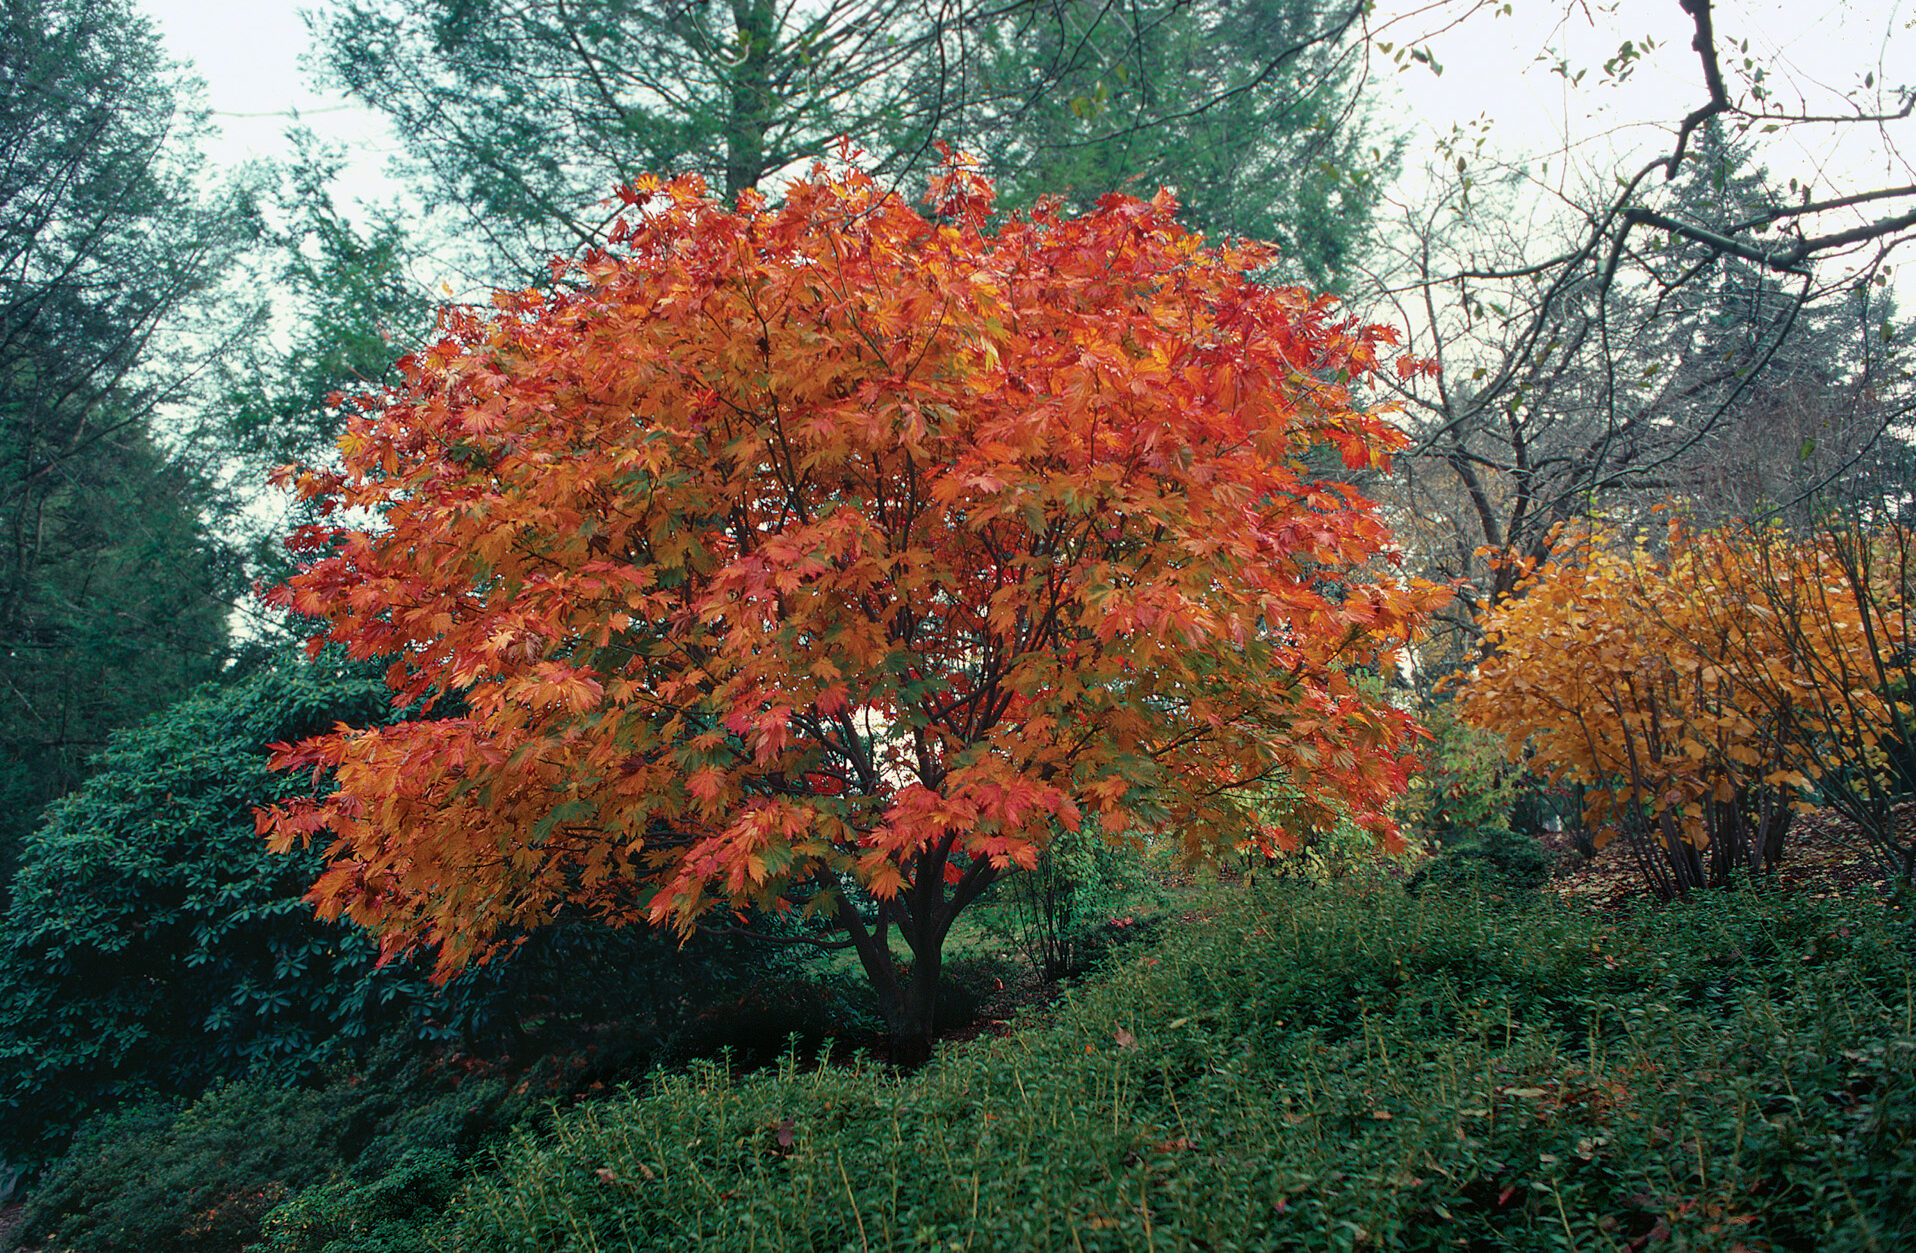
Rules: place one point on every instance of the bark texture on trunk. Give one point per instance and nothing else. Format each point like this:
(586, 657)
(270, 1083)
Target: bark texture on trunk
(923, 913)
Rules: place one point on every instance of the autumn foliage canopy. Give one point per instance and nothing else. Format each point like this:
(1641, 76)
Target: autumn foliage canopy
(1699, 688)
(782, 550)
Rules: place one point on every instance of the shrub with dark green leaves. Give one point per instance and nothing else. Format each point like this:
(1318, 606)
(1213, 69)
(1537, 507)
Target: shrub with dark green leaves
(346, 1165)
(1466, 781)
(384, 1211)
(367, 1160)
(163, 1176)
(153, 945)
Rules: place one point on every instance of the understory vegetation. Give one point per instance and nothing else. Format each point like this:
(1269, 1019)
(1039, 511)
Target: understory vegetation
(1292, 1066)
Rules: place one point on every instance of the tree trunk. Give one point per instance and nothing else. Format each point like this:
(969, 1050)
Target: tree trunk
(914, 1017)
(907, 998)
(751, 91)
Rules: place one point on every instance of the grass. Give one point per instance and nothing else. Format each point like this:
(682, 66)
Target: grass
(1311, 1069)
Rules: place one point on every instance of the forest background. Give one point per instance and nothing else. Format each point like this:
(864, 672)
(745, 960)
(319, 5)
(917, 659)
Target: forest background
(1698, 308)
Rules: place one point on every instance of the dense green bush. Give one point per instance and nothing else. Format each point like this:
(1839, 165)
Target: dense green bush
(164, 1177)
(153, 945)
(1485, 859)
(1318, 1070)
(1466, 781)
(337, 1166)
(379, 1212)
(366, 1161)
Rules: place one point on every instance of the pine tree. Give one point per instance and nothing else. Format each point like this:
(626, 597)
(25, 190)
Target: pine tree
(110, 589)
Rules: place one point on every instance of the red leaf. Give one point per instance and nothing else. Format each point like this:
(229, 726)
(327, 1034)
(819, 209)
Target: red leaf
(902, 578)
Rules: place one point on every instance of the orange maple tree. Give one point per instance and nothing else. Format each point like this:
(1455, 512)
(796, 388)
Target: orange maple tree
(1698, 689)
(837, 555)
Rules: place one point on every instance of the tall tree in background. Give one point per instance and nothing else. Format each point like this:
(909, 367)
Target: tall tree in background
(352, 309)
(1772, 394)
(1247, 110)
(110, 589)
(520, 118)
(357, 310)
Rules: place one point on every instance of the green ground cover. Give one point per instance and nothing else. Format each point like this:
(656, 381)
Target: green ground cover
(1283, 1066)
(1304, 1069)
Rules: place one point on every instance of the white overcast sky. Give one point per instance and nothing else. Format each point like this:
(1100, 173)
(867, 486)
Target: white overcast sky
(249, 56)
(1494, 67)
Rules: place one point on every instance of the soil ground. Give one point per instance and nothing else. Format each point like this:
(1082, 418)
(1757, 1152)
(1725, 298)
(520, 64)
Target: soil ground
(1824, 856)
